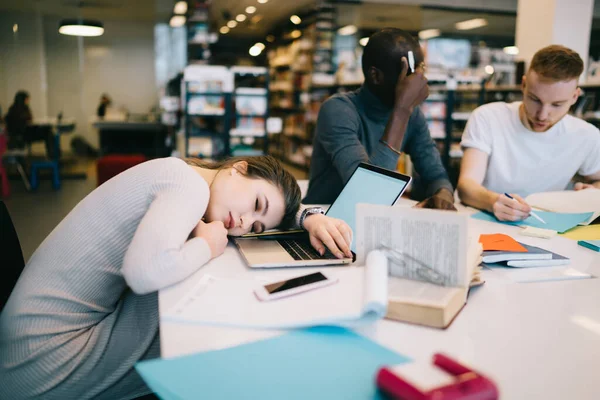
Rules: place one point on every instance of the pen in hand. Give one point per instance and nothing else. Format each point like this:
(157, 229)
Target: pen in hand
(534, 215)
(411, 61)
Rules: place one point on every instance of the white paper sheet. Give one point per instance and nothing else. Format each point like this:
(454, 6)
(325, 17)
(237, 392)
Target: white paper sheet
(568, 201)
(360, 296)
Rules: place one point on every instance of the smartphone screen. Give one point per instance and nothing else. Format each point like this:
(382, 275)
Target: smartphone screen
(295, 282)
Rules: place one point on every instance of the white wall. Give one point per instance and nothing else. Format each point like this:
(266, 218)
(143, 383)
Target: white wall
(20, 60)
(564, 22)
(77, 70)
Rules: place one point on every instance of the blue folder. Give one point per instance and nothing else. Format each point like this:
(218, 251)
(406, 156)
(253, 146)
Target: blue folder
(316, 363)
(559, 222)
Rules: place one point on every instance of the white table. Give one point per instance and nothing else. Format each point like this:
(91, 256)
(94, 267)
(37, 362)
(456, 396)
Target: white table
(536, 340)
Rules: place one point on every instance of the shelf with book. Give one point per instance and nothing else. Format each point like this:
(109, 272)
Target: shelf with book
(302, 76)
(207, 106)
(248, 133)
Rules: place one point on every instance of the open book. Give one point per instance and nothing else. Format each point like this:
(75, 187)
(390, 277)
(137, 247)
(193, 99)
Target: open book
(433, 262)
(568, 201)
(359, 296)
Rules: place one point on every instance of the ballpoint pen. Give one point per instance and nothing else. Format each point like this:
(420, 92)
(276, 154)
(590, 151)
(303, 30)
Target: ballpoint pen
(534, 215)
(411, 61)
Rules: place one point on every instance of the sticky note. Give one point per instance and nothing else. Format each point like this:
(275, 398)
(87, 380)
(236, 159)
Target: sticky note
(538, 232)
(500, 242)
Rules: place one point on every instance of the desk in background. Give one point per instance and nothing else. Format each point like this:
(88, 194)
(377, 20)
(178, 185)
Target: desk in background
(125, 137)
(535, 340)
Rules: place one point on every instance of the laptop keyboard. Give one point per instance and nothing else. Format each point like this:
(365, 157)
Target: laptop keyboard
(302, 250)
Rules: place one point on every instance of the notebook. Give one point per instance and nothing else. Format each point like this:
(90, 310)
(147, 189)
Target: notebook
(533, 253)
(368, 184)
(560, 222)
(538, 257)
(318, 363)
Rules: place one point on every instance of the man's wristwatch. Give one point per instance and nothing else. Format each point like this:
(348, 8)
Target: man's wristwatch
(309, 211)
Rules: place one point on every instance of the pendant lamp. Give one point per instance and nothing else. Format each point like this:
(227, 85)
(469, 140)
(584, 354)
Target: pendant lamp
(81, 27)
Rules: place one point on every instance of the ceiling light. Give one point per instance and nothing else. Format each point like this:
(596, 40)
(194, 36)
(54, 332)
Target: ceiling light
(429, 33)
(260, 45)
(250, 9)
(232, 24)
(296, 34)
(511, 50)
(270, 38)
(254, 51)
(489, 69)
(262, 1)
(224, 30)
(295, 19)
(180, 7)
(81, 27)
(240, 18)
(363, 41)
(347, 30)
(471, 24)
(15, 28)
(177, 21)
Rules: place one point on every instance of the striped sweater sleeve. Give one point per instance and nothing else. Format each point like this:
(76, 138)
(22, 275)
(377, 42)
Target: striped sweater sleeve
(158, 257)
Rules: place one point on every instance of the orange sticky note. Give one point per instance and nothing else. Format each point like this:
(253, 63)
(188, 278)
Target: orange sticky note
(501, 242)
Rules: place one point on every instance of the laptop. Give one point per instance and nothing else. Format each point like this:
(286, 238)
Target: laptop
(368, 184)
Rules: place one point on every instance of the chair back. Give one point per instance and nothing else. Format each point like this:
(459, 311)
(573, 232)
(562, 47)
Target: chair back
(11, 256)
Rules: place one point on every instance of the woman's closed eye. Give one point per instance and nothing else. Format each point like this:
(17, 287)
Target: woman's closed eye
(256, 205)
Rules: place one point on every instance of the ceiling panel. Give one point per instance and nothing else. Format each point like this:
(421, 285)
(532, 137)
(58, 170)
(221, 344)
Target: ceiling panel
(371, 16)
(270, 14)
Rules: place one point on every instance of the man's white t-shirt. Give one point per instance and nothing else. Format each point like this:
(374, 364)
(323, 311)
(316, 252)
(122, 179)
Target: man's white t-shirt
(524, 162)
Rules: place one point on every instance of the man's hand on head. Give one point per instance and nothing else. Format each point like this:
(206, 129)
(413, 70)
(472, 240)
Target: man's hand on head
(410, 90)
(443, 199)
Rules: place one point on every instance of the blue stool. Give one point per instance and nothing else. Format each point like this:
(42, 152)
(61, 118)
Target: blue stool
(37, 165)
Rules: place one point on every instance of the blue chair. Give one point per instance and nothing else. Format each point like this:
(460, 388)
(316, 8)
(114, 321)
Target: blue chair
(52, 163)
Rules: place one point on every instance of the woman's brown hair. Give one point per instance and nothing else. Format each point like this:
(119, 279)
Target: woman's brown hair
(269, 169)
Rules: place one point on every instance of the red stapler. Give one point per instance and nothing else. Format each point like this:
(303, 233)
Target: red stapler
(465, 384)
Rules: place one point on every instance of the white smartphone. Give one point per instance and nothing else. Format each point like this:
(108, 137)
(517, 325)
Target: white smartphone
(290, 287)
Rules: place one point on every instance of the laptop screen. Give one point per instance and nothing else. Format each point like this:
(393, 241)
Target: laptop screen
(369, 185)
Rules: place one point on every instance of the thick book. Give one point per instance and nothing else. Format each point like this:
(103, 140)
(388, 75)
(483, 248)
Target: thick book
(427, 304)
(435, 264)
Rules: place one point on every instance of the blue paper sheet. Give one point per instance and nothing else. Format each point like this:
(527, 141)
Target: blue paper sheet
(323, 362)
(559, 222)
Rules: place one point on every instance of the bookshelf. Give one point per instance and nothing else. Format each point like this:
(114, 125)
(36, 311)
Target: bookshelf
(225, 111)
(248, 134)
(302, 76)
(208, 108)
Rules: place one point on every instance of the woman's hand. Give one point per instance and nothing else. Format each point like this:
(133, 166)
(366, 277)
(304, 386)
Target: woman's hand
(215, 235)
(331, 232)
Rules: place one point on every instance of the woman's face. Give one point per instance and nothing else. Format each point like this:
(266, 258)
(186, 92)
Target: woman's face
(244, 204)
